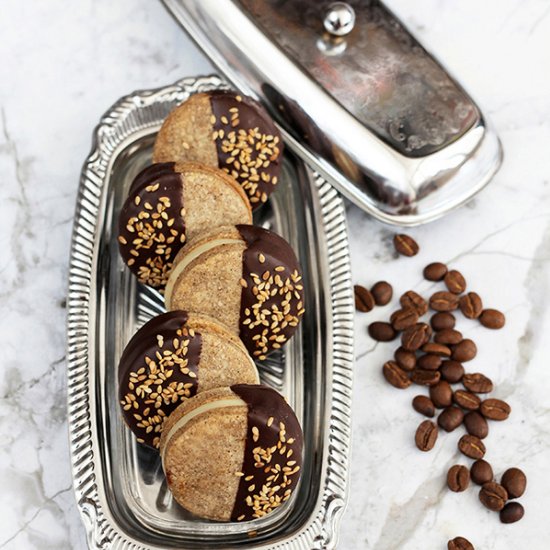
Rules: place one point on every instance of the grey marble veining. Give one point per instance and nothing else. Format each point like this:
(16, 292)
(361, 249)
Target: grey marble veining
(63, 66)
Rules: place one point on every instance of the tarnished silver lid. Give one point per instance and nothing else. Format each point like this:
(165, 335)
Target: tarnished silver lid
(356, 96)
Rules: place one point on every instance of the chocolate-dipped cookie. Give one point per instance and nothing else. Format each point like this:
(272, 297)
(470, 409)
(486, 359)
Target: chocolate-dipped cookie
(169, 204)
(229, 131)
(232, 454)
(171, 358)
(246, 277)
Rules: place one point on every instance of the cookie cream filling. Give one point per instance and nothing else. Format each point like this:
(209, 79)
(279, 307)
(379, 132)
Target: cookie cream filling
(186, 260)
(207, 407)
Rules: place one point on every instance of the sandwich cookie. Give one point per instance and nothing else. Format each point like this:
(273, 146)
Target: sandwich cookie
(232, 454)
(169, 204)
(229, 131)
(246, 277)
(171, 358)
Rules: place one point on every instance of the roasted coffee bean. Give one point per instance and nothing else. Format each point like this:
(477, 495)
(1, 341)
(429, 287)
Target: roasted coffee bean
(443, 301)
(476, 424)
(429, 362)
(481, 472)
(435, 271)
(382, 332)
(403, 318)
(452, 371)
(451, 418)
(467, 400)
(443, 320)
(364, 300)
(405, 359)
(382, 293)
(436, 349)
(395, 375)
(471, 305)
(514, 481)
(460, 543)
(493, 496)
(492, 318)
(455, 282)
(458, 478)
(477, 383)
(512, 512)
(495, 409)
(414, 301)
(441, 394)
(423, 405)
(471, 446)
(405, 245)
(414, 337)
(466, 350)
(448, 336)
(426, 435)
(425, 377)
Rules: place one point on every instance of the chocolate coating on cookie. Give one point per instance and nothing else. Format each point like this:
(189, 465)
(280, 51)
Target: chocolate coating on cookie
(151, 223)
(157, 371)
(248, 143)
(272, 456)
(272, 297)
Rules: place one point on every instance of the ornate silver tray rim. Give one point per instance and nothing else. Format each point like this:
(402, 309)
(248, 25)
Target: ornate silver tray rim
(113, 131)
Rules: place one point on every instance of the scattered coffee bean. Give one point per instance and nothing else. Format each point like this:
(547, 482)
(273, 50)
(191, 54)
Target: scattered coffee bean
(405, 359)
(514, 481)
(442, 320)
(403, 318)
(441, 394)
(492, 318)
(435, 271)
(414, 301)
(512, 512)
(493, 496)
(429, 362)
(466, 350)
(443, 301)
(382, 293)
(471, 305)
(382, 332)
(425, 377)
(364, 300)
(460, 543)
(395, 375)
(436, 349)
(455, 282)
(458, 478)
(426, 435)
(495, 409)
(448, 336)
(423, 405)
(416, 336)
(451, 418)
(452, 371)
(405, 245)
(476, 424)
(477, 383)
(471, 446)
(481, 472)
(467, 400)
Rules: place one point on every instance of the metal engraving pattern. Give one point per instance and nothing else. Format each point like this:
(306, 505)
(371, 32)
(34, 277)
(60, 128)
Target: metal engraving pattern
(92, 424)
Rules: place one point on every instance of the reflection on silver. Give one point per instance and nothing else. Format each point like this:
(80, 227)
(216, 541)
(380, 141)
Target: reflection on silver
(339, 19)
(377, 115)
(119, 485)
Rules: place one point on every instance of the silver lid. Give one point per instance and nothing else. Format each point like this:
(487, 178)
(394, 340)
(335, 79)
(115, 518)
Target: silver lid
(356, 96)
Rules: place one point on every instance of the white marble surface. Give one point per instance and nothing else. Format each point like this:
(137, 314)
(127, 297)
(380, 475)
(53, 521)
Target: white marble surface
(64, 64)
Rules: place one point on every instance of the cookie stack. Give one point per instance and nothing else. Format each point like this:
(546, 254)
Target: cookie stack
(231, 448)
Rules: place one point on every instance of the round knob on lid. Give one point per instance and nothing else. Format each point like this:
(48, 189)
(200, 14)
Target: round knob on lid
(339, 19)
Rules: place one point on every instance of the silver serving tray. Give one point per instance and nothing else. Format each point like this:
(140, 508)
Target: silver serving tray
(119, 485)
